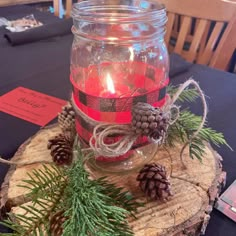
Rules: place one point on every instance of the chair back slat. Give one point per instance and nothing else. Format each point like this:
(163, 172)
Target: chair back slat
(68, 8)
(227, 46)
(182, 34)
(169, 26)
(56, 6)
(204, 38)
(176, 23)
(205, 56)
(197, 37)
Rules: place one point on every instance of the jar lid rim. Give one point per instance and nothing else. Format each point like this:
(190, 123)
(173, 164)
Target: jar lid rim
(97, 10)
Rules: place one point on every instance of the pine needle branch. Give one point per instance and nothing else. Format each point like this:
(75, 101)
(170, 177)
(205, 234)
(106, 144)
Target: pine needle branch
(183, 129)
(188, 95)
(187, 124)
(91, 208)
(43, 183)
(35, 220)
(120, 197)
(46, 189)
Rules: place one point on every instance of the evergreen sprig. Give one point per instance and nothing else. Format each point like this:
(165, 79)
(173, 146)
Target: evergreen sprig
(185, 127)
(46, 187)
(95, 207)
(44, 183)
(188, 95)
(92, 207)
(187, 124)
(121, 197)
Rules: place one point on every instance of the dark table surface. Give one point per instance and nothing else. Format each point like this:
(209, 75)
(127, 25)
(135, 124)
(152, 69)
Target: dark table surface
(44, 66)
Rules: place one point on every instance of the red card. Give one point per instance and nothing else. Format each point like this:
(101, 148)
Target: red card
(31, 106)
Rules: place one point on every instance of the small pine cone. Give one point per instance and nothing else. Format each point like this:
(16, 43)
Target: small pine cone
(153, 182)
(61, 149)
(66, 118)
(149, 121)
(56, 223)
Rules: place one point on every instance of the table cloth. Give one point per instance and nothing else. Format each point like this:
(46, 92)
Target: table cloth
(44, 66)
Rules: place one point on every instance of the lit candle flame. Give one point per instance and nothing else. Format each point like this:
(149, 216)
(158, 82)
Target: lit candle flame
(110, 84)
(131, 57)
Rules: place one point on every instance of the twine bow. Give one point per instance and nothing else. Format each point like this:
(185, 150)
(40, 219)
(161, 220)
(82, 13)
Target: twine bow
(100, 146)
(101, 133)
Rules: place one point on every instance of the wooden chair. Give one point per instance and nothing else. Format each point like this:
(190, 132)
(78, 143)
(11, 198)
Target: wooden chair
(56, 4)
(196, 28)
(224, 52)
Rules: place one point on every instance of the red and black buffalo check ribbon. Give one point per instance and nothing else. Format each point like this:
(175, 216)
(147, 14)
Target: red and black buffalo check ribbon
(116, 109)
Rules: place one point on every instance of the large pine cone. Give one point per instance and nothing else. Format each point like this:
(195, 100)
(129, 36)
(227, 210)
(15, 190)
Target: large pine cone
(61, 149)
(56, 223)
(150, 121)
(66, 118)
(153, 182)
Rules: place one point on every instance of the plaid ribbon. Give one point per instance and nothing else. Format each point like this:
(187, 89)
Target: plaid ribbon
(118, 109)
(85, 128)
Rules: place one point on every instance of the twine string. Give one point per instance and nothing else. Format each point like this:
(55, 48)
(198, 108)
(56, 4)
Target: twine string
(205, 111)
(101, 147)
(21, 162)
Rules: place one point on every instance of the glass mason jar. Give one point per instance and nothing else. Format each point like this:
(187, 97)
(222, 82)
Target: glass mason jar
(118, 58)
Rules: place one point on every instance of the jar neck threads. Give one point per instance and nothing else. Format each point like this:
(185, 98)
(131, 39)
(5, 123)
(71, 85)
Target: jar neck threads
(119, 20)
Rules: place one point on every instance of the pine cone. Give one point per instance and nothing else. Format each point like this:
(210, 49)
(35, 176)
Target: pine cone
(56, 223)
(61, 149)
(154, 182)
(66, 118)
(149, 121)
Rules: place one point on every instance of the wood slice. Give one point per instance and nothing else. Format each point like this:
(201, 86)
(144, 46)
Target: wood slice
(33, 150)
(186, 213)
